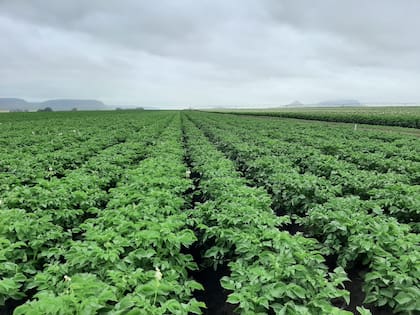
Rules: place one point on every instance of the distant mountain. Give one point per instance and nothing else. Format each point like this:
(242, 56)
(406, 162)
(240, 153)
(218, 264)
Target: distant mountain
(340, 103)
(12, 102)
(56, 105)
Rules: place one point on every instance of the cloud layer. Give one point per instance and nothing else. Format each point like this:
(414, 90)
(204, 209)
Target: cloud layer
(201, 53)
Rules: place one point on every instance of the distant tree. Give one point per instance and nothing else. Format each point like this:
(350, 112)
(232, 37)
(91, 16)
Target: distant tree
(118, 108)
(46, 109)
(139, 108)
(74, 109)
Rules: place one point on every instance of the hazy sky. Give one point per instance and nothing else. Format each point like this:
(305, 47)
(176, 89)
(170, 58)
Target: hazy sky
(198, 53)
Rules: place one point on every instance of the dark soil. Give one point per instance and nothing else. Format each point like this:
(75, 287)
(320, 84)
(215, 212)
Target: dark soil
(213, 295)
(293, 227)
(355, 286)
(9, 307)
(10, 304)
(357, 296)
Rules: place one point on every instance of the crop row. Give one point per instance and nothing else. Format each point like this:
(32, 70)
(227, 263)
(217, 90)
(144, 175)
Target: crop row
(96, 220)
(402, 120)
(38, 222)
(354, 230)
(368, 150)
(392, 192)
(128, 259)
(271, 270)
(61, 149)
(50, 134)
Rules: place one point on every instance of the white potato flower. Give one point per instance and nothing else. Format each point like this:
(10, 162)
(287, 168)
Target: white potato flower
(158, 274)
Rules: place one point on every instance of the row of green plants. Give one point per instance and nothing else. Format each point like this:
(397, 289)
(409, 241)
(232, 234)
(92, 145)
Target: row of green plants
(367, 150)
(129, 258)
(270, 270)
(354, 230)
(411, 120)
(38, 222)
(94, 220)
(392, 192)
(32, 152)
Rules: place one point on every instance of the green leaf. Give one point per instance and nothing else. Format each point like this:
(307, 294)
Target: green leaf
(363, 311)
(402, 298)
(227, 283)
(173, 306)
(234, 298)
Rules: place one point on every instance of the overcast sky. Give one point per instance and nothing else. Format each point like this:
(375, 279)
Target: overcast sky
(179, 53)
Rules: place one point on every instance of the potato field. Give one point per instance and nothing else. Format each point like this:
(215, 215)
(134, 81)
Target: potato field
(189, 212)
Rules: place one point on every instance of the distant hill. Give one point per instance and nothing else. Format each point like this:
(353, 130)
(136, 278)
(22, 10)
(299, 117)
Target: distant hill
(340, 103)
(56, 105)
(4, 102)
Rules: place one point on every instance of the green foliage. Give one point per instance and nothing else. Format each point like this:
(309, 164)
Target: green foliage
(270, 270)
(93, 213)
(94, 240)
(357, 211)
(388, 118)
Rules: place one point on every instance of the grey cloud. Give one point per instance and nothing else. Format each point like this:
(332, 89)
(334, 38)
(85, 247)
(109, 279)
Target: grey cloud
(210, 52)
